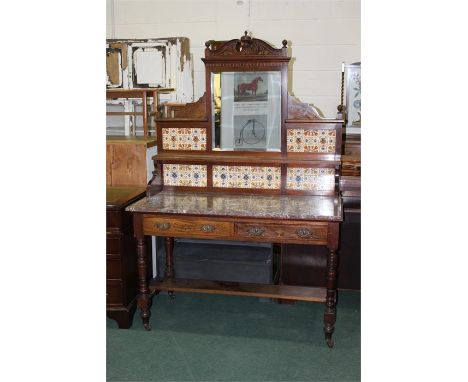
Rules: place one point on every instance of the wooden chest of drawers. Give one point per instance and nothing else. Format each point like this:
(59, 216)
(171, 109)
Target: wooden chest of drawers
(121, 264)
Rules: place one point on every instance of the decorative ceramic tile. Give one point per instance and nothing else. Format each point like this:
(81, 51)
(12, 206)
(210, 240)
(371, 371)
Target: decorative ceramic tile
(310, 179)
(184, 138)
(185, 175)
(311, 141)
(326, 208)
(247, 177)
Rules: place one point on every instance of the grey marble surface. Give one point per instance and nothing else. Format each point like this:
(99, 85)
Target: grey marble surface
(328, 208)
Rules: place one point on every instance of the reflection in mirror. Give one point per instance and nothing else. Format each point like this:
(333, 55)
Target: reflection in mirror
(216, 91)
(246, 111)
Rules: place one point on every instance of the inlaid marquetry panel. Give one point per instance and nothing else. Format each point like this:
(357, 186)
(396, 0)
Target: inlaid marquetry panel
(310, 179)
(177, 138)
(311, 141)
(260, 177)
(185, 175)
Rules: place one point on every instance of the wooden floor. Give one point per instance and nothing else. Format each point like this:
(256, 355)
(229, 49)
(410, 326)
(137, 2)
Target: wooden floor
(286, 292)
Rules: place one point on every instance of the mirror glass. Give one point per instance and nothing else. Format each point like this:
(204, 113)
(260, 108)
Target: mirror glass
(246, 111)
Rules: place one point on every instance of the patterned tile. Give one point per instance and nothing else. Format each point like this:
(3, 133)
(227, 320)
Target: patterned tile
(184, 138)
(310, 179)
(311, 141)
(247, 177)
(185, 175)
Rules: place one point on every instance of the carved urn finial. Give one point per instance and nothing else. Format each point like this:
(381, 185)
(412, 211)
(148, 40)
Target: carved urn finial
(209, 43)
(246, 38)
(244, 42)
(285, 43)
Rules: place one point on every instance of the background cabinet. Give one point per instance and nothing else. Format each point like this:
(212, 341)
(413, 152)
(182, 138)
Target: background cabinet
(128, 160)
(121, 264)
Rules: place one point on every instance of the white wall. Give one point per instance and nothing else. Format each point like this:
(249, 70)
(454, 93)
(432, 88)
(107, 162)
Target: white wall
(322, 34)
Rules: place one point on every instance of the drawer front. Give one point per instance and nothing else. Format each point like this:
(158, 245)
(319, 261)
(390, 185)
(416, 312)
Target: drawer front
(114, 219)
(113, 268)
(113, 245)
(316, 233)
(114, 293)
(186, 227)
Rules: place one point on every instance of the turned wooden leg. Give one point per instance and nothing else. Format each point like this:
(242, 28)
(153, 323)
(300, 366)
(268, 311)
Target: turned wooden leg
(329, 317)
(169, 246)
(144, 297)
(169, 272)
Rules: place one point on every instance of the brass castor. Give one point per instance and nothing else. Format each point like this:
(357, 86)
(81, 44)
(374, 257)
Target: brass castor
(329, 340)
(147, 326)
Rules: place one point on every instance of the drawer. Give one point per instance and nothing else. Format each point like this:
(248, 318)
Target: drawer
(114, 293)
(113, 268)
(306, 233)
(113, 245)
(119, 220)
(183, 227)
(114, 219)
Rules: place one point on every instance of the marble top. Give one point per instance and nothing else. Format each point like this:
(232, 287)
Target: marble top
(294, 207)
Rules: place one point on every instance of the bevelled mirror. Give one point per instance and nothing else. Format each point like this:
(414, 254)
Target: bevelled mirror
(246, 110)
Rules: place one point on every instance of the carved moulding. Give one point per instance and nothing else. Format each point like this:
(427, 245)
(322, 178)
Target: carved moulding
(301, 110)
(236, 65)
(155, 185)
(193, 110)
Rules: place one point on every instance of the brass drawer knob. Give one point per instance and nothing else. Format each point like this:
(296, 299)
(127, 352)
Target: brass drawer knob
(304, 232)
(256, 231)
(163, 226)
(207, 228)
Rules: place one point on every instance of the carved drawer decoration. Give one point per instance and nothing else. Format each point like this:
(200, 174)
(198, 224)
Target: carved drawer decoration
(180, 227)
(313, 233)
(191, 139)
(311, 141)
(310, 179)
(184, 175)
(260, 177)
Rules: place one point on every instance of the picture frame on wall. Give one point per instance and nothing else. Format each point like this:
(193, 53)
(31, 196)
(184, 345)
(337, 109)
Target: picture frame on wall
(353, 97)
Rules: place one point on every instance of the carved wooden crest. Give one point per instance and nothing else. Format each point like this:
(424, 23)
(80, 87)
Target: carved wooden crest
(245, 46)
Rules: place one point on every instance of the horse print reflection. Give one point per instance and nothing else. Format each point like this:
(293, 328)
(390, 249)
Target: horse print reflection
(250, 87)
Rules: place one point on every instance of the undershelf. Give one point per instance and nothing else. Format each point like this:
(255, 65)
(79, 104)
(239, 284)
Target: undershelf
(286, 292)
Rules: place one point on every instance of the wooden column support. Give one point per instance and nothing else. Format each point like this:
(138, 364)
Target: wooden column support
(144, 296)
(169, 247)
(329, 317)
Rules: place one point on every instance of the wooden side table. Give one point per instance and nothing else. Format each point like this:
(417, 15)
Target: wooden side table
(121, 264)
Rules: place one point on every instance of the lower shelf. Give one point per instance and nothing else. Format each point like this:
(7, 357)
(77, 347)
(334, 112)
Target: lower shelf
(286, 292)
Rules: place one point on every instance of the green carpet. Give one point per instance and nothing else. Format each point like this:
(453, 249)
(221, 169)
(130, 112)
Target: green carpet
(199, 337)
